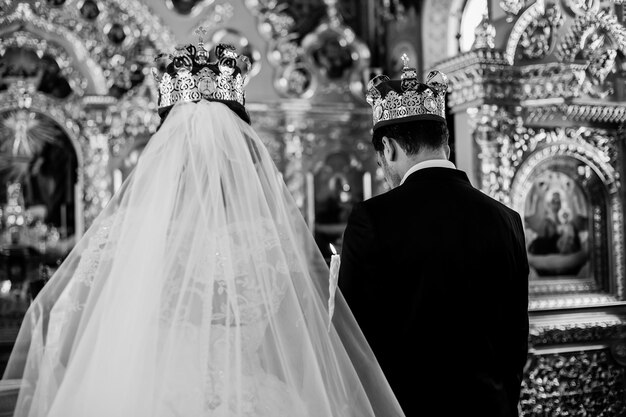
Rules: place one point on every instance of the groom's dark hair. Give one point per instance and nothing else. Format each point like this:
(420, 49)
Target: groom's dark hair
(413, 136)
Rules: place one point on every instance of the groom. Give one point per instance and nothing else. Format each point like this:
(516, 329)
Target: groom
(434, 270)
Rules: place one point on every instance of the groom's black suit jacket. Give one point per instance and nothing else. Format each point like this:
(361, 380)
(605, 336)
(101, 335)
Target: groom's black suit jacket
(436, 275)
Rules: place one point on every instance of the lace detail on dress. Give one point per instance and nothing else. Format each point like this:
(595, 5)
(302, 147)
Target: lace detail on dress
(224, 306)
(242, 280)
(72, 299)
(92, 256)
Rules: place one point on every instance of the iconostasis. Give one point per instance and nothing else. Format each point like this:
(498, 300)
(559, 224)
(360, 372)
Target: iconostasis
(539, 104)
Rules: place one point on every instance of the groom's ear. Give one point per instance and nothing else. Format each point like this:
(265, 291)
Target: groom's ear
(389, 148)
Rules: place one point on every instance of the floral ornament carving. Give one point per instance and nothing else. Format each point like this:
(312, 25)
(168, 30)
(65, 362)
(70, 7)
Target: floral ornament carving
(88, 141)
(505, 143)
(485, 34)
(509, 154)
(596, 38)
(113, 48)
(294, 77)
(552, 80)
(329, 60)
(130, 119)
(582, 7)
(512, 7)
(539, 36)
(110, 45)
(603, 328)
(41, 47)
(339, 57)
(583, 383)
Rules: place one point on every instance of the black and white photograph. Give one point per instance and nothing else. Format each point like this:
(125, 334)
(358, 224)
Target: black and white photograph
(312, 208)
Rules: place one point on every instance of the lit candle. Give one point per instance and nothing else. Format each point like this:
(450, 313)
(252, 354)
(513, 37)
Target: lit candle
(367, 186)
(117, 180)
(335, 262)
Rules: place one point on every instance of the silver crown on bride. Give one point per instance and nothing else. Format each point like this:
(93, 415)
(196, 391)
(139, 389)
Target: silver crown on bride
(190, 76)
(405, 100)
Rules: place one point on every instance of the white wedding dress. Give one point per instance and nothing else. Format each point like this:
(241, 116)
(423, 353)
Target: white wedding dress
(198, 291)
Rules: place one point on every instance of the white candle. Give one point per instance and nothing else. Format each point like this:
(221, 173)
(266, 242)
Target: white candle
(335, 263)
(117, 180)
(367, 186)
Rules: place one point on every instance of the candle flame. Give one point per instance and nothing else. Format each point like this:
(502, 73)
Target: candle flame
(332, 248)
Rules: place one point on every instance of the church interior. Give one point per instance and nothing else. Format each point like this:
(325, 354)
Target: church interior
(536, 109)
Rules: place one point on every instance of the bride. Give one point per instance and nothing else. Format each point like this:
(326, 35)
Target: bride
(199, 290)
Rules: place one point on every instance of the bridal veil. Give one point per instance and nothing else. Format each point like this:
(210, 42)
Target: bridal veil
(198, 291)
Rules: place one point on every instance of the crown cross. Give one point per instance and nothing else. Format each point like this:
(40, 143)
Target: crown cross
(201, 32)
(405, 60)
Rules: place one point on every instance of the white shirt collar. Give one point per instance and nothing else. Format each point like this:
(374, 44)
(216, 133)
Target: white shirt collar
(431, 163)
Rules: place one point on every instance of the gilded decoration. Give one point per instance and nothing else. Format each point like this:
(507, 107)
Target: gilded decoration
(18, 96)
(103, 50)
(512, 7)
(328, 61)
(485, 35)
(544, 108)
(534, 34)
(595, 329)
(580, 383)
(523, 167)
(340, 58)
(22, 39)
(294, 77)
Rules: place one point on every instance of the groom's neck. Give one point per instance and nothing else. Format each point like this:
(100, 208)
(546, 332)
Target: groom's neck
(422, 156)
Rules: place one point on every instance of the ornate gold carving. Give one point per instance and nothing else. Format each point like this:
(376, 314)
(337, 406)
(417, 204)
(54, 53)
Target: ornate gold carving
(512, 7)
(295, 76)
(485, 76)
(580, 113)
(106, 63)
(94, 60)
(560, 286)
(586, 24)
(509, 152)
(576, 383)
(329, 55)
(64, 116)
(339, 57)
(485, 34)
(21, 39)
(534, 33)
(544, 81)
(479, 75)
(600, 330)
(581, 7)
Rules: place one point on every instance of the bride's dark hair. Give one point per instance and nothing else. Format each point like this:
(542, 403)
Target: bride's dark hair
(236, 107)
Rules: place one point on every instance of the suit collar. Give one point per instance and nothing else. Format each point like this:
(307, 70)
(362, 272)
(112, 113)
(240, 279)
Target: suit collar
(431, 163)
(437, 174)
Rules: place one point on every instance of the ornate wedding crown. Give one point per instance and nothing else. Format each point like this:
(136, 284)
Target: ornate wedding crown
(190, 77)
(405, 100)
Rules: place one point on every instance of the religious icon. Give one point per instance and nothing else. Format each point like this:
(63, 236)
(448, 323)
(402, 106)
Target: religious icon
(556, 216)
